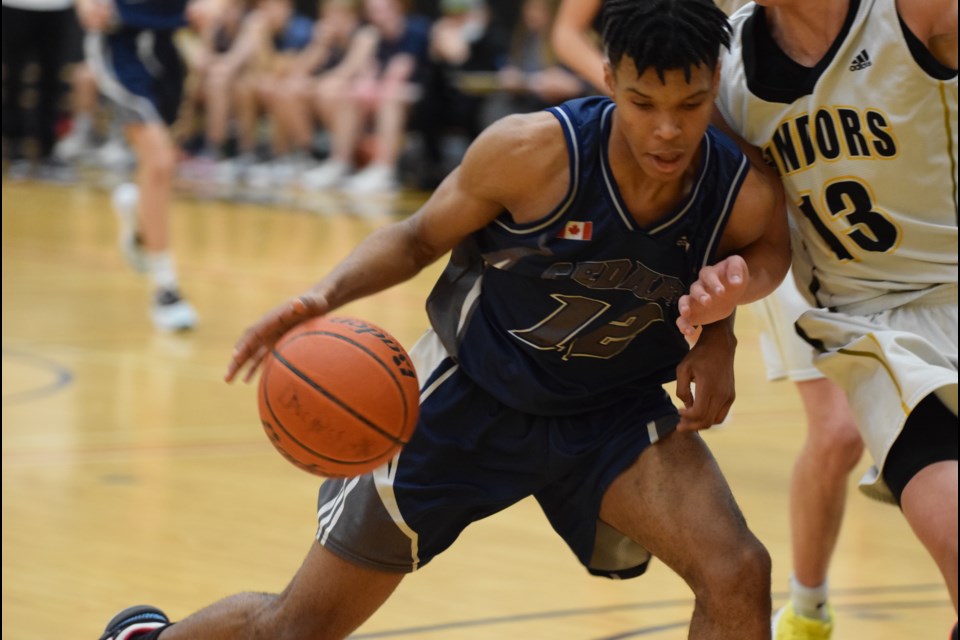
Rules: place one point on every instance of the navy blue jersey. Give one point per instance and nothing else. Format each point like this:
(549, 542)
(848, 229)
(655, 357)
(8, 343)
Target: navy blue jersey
(570, 312)
(157, 15)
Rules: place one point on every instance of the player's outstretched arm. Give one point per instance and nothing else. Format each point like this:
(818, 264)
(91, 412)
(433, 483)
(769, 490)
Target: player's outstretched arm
(495, 168)
(756, 246)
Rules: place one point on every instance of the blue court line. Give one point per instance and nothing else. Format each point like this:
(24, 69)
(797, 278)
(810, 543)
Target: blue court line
(658, 604)
(62, 377)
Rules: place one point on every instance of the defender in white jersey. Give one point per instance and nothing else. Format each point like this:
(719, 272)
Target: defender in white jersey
(855, 104)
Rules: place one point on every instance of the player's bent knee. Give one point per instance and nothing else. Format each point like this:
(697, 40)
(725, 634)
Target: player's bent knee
(742, 575)
(841, 448)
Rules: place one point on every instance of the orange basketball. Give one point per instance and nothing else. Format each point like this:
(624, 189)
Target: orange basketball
(338, 396)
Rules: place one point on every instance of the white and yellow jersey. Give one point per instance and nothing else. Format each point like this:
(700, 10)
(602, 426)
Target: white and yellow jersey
(866, 144)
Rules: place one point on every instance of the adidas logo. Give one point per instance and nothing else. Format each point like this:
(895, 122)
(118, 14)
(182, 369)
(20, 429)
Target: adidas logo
(861, 62)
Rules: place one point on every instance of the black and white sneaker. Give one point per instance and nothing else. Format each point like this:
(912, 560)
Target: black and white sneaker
(171, 312)
(135, 621)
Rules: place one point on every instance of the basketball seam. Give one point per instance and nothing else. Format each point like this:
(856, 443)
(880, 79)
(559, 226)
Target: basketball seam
(280, 425)
(340, 403)
(369, 352)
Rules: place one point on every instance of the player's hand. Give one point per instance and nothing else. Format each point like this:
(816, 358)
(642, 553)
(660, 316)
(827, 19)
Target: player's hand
(709, 366)
(257, 341)
(714, 296)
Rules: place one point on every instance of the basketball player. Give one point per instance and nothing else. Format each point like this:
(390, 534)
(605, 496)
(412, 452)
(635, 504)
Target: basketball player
(131, 50)
(855, 103)
(553, 328)
(833, 447)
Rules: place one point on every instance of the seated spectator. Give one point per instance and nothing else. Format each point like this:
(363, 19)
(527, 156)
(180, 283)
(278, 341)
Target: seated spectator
(201, 49)
(533, 78)
(466, 52)
(271, 26)
(301, 94)
(290, 33)
(379, 98)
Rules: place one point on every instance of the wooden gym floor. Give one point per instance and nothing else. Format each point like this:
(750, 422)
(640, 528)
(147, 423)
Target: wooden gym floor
(133, 474)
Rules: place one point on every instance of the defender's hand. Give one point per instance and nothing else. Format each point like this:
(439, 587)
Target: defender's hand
(714, 295)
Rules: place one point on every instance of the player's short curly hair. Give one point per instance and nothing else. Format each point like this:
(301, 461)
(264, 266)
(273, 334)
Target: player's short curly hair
(665, 34)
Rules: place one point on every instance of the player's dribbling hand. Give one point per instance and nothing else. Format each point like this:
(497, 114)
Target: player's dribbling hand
(257, 341)
(714, 296)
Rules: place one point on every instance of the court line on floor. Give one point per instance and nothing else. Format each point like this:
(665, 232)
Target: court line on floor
(62, 377)
(662, 604)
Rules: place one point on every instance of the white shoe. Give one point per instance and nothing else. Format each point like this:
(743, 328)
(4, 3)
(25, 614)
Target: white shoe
(327, 174)
(114, 154)
(76, 144)
(126, 199)
(231, 172)
(376, 178)
(259, 176)
(170, 312)
(287, 170)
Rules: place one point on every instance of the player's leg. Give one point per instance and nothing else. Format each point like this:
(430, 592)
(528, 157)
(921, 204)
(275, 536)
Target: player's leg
(156, 165)
(675, 502)
(149, 214)
(885, 362)
(818, 484)
(327, 599)
(923, 502)
(921, 471)
(818, 490)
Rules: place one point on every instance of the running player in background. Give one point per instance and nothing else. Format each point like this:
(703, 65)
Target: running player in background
(818, 485)
(855, 104)
(131, 50)
(555, 325)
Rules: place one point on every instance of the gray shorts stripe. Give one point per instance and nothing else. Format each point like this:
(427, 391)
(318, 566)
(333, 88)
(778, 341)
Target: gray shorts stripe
(133, 108)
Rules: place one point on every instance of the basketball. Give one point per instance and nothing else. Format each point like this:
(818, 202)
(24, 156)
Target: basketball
(338, 396)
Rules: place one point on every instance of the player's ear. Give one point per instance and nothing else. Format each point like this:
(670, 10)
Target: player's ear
(716, 78)
(609, 79)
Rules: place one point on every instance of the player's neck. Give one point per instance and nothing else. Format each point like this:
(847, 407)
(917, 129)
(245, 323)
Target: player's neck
(647, 198)
(806, 30)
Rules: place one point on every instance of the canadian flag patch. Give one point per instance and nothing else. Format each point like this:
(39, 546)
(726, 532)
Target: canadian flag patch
(574, 230)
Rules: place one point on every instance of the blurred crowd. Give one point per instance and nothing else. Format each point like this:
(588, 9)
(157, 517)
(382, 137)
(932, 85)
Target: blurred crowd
(367, 96)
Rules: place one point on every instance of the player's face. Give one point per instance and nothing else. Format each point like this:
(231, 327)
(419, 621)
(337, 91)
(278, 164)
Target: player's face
(662, 122)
